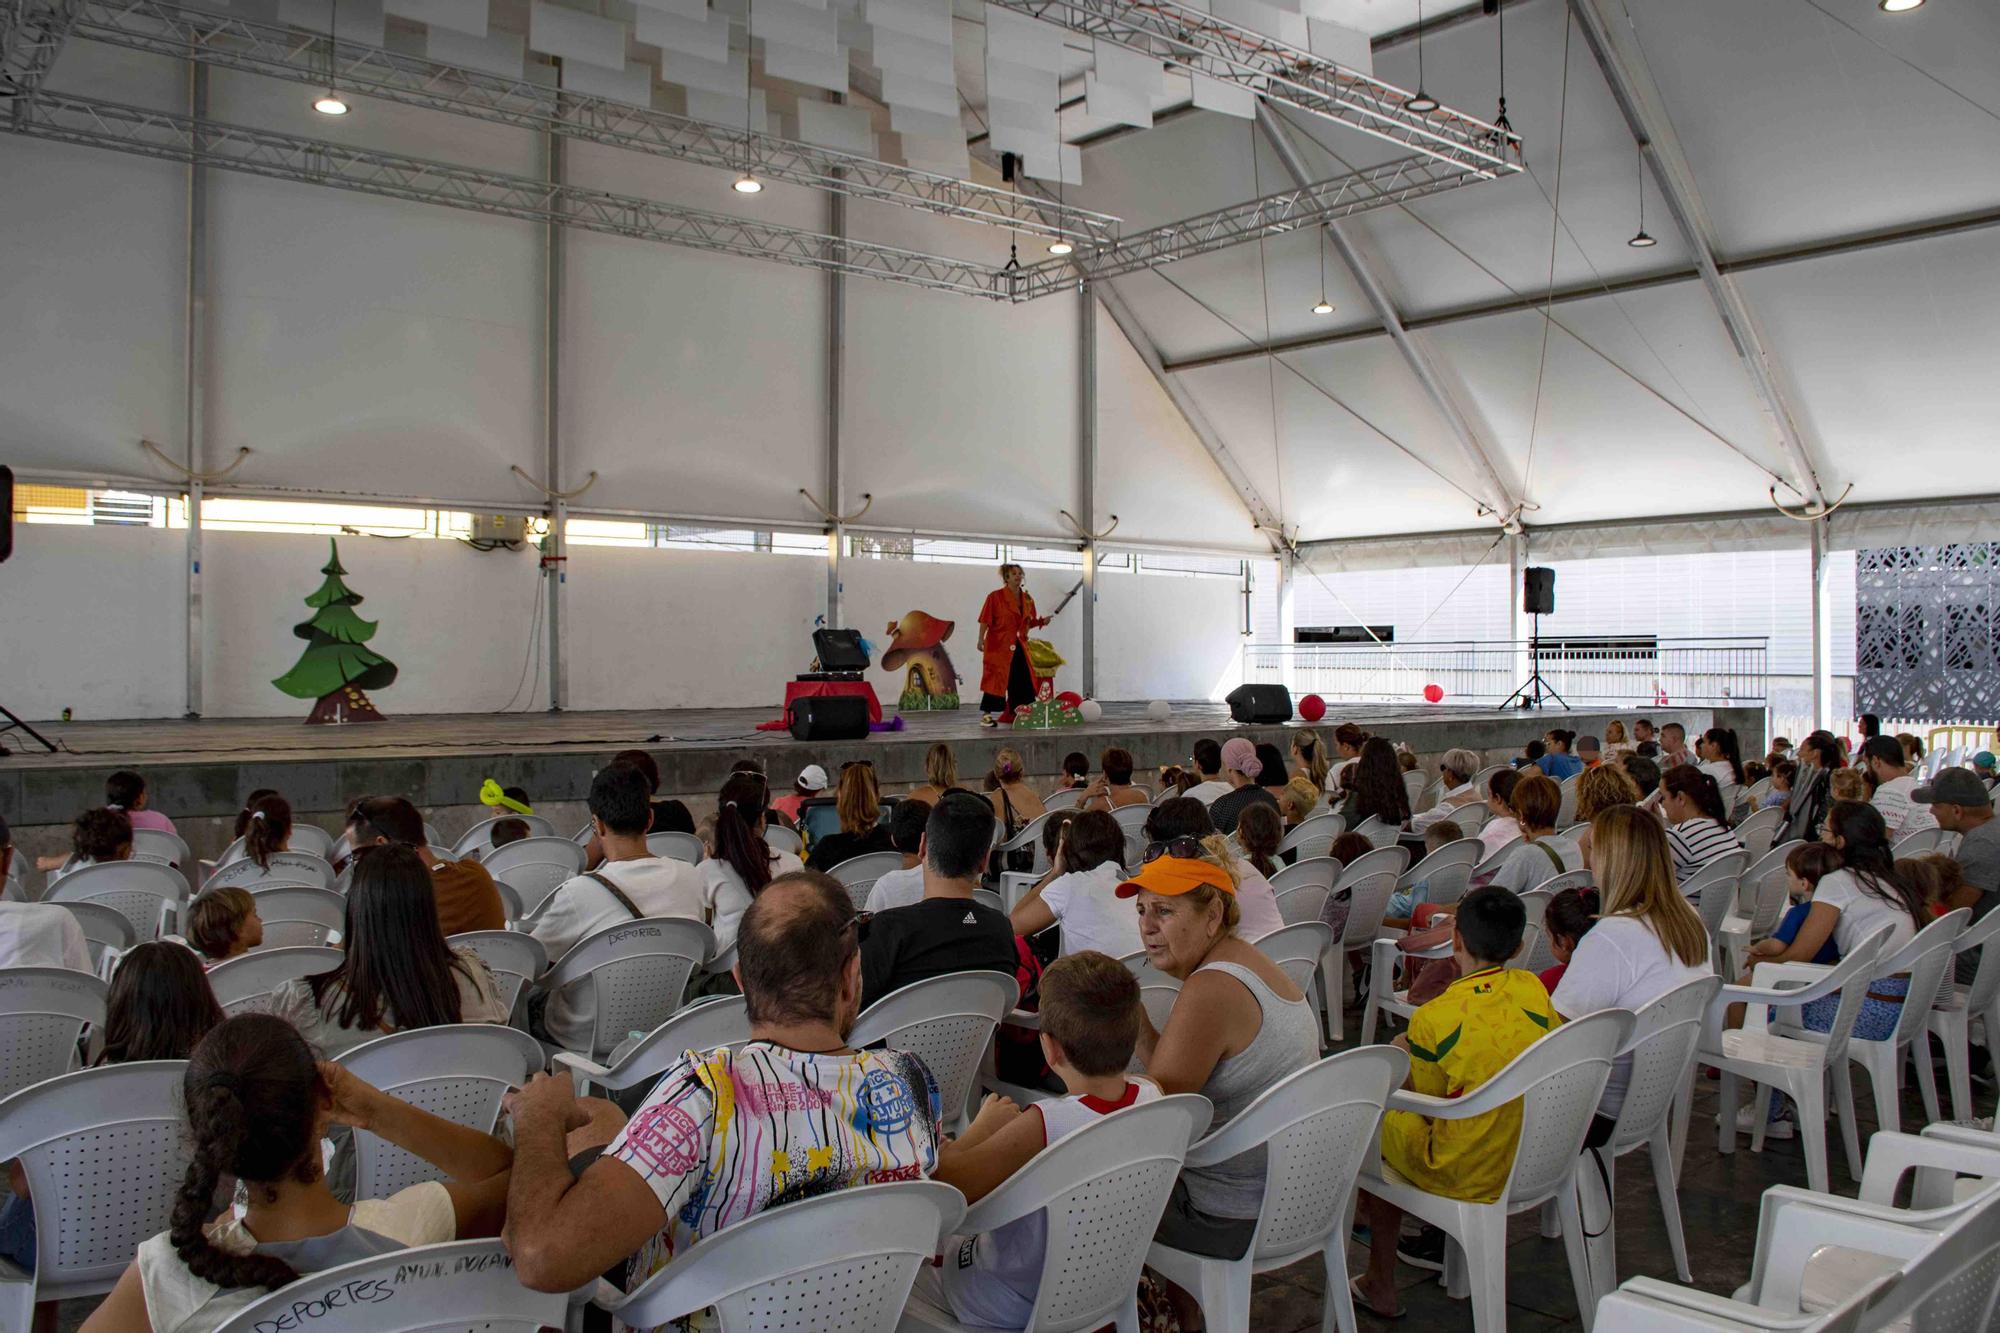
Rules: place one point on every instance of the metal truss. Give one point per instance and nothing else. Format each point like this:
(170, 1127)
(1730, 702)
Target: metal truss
(1284, 76)
(168, 29)
(31, 35)
(180, 138)
(1308, 206)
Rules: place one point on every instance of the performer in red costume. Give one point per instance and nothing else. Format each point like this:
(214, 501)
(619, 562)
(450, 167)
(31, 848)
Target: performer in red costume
(1007, 677)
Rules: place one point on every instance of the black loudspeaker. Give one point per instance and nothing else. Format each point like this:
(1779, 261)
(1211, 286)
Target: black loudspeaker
(1538, 590)
(1260, 703)
(6, 511)
(839, 650)
(833, 717)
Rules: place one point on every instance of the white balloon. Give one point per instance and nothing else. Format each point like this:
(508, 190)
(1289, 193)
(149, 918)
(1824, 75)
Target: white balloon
(1090, 710)
(1159, 710)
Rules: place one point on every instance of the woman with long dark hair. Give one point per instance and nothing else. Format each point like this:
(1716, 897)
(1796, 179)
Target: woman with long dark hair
(160, 1005)
(741, 863)
(249, 804)
(257, 1106)
(398, 972)
(1699, 830)
(1721, 757)
(1812, 789)
(267, 829)
(1375, 787)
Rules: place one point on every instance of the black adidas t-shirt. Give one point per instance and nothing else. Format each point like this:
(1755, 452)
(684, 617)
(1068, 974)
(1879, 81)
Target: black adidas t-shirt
(930, 938)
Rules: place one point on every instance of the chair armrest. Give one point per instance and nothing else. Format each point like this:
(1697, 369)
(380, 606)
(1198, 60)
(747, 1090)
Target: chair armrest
(1795, 1223)
(722, 962)
(583, 1071)
(1891, 1155)
(1023, 1018)
(1648, 1304)
(1966, 1134)
(1439, 1108)
(1804, 974)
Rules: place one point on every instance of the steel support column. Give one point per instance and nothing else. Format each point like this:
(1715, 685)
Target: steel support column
(194, 386)
(1822, 628)
(836, 371)
(1086, 427)
(556, 559)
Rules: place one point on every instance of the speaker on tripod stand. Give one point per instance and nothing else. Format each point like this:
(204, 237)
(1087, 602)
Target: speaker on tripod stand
(1538, 599)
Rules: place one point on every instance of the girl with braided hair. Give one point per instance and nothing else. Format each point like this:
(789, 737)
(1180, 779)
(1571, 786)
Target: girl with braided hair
(257, 1104)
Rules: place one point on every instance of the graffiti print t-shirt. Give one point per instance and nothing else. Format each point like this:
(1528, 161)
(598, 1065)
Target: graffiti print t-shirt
(729, 1133)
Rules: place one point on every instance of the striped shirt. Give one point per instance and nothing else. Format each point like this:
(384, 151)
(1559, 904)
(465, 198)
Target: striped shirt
(1697, 842)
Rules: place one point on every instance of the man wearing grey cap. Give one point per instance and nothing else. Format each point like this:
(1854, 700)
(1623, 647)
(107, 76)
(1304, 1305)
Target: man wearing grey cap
(1963, 806)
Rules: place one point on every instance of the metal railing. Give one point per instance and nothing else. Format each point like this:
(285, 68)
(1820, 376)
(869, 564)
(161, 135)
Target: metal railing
(1586, 672)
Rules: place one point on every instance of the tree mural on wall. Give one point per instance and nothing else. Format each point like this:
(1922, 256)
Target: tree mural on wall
(335, 669)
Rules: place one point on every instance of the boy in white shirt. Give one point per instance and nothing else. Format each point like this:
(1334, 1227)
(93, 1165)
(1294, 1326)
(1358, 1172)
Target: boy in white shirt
(900, 888)
(1090, 1024)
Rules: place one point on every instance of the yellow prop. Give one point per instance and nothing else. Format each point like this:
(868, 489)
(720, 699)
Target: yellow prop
(490, 794)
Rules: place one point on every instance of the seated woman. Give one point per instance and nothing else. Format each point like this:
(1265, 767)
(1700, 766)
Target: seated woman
(1501, 827)
(398, 972)
(1079, 891)
(940, 775)
(1455, 770)
(1014, 801)
(1375, 788)
(1113, 787)
(1075, 772)
(1699, 829)
(1239, 1026)
(1597, 790)
(257, 1105)
(1536, 802)
(858, 802)
(740, 863)
(1309, 757)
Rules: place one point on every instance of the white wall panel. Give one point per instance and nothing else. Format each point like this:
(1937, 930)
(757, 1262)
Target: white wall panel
(1160, 637)
(93, 619)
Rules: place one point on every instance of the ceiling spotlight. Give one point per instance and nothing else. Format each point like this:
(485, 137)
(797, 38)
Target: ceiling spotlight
(1060, 247)
(330, 103)
(1325, 307)
(1898, 6)
(1641, 241)
(747, 184)
(1422, 103)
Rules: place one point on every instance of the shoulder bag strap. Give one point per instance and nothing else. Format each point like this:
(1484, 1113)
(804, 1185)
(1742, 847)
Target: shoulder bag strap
(617, 893)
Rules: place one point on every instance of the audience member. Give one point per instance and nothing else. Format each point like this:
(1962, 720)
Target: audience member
(1986, 766)
(1309, 757)
(1240, 768)
(1015, 803)
(1699, 827)
(1536, 802)
(728, 1133)
(223, 923)
(1962, 804)
(396, 971)
(940, 775)
(1913, 747)
(858, 802)
(1090, 1023)
(1208, 763)
(948, 931)
(1615, 742)
(159, 1006)
(1850, 784)
(1501, 827)
(1645, 774)
(1413, 780)
(810, 782)
(1075, 771)
(1884, 761)
(511, 829)
(249, 803)
(743, 863)
(257, 1107)
(1113, 788)
(1557, 762)
(1588, 750)
(1188, 825)
(126, 791)
(37, 934)
(1456, 1042)
(1273, 775)
(1297, 800)
(269, 830)
(1952, 890)
(1347, 742)
(1566, 920)
(1598, 790)
(1781, 748)
(1258, 834)
(631, 883)
(1720, 756)
(900, 888)
(1673, 747)
(1783, 774)
(1805, 866)
(1755, 771)
(1375, 787)
(1079, 892)
(669, 816)
(96, 837)
(1643, 733)
(1239, 1026)
(1531, 755)
(1455, 769)
(463, 890)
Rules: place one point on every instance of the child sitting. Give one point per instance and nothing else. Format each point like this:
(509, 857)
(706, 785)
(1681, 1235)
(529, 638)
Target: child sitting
(1456, 1042)
(1951, 884)
(96, 836)
(1850, 784)
(508, 830)
(1804, 868)
(126, 791)
(1783, 773)
(223, 923)
(1567, 919)
(1090, 1024)
(1402, 901)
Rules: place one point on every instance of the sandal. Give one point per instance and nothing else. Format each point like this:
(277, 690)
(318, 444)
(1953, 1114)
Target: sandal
(1355, 1293)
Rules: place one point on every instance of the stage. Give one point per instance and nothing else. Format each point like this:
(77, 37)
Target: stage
(200, 769)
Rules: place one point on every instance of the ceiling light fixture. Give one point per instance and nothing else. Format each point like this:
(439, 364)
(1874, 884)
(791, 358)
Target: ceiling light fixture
(748, 184)
(330, 102)
(1640, 240)
(1060, 247)
(1420, 102)
(1898, 6)
(1322, 306)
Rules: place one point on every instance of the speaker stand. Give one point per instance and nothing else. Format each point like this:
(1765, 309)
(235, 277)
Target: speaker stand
(1534, 691)
(14, 723)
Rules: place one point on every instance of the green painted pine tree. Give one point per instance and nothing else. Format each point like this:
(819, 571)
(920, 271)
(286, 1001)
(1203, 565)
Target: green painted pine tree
(335, 670)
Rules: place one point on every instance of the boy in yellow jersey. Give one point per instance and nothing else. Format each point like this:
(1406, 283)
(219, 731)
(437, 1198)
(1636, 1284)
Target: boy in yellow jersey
(1456, 1042)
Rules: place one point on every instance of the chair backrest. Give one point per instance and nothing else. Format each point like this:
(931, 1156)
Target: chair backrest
(1665, 1034)
(1486, 775)
(545, 849)
(1028, 837)
(1850, 977)
(839, 1263)
(1132, 818)
(1757, 831)
(515, 958)
(1367, 902)
(156, 844)
(1732, 794)
(1715, 886)
(1446, 859)
(1569, 879)
(640, 970)
(1926, 958)
(857, 874)
(1559, 1080)
(1950, 1286)
(1100, 1190)
(1494, 858)
(457, 1072)
(1395, 860)
(1302, 903)
(244, 983)
(294, 914)
(285, 868)
(103, 928)
(781, 839)
(1471, 817)
(677, 847)
(532, 885)
(1985, 981)
(1566, 811)
(459, 1284)
(1537, 949)
(1379, 832)
(1919, 843)
(702, 1026)
(104, 1151)
(1765, 866)
(135, 888)
(1297, 949)
(1063, 798)
(480, 836)
(1321, 870)
(944, 1021)
(1158, 1000)
(1328, 826)
(43, 1010)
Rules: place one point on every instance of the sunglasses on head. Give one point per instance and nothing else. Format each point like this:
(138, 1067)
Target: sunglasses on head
(1185, 848)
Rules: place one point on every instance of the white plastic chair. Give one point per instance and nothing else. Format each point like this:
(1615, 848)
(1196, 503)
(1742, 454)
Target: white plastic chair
(1379, 832)
(1558, 1082)
(857, 874)
(104, 1151)
(781, 839)
(103, 928)
(1383, 997)
(1367, 901)
(1100, 1191)
(1304, 902)
(1328, 827)
(285, 868)
(1793, 1066)
(532, 884)
(1063, 798)
(1537, 953)
(1299, 951)
(544, 850)
(43, 1011)
(677, 847)
(1756, 832)
(459, 1284)
(1648, 1305)
(514, 957)
(294, 914)
(244, 983)
(146, 892)
(305, 837)
(947, 1022)
(702, 1026)
(1566, 811)
(1495, 858)
(1132, 819)
(1394, 860)
(156, 844)
(640, 970)
(1318, 1127)
(457, 1072)
(840, 1263)
(479, 837)
(1920, 843)
(1959, 1007)
(1471, 817)
(1320, 870)
(1762, 893)
(1712, 890)
(1028, 838)
(1441, 877)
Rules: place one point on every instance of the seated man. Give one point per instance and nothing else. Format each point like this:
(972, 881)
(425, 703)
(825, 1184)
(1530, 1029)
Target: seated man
(728, 1133)
(1090, 1023)
(947, 931)
(1456, 1042)
(630, 883)
(900, 888)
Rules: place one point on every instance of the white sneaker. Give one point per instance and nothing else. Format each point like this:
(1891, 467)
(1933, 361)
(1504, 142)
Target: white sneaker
(1746, 1123)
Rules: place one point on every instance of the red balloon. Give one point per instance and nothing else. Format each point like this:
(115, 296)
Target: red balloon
(1434, 694)
(1070, 699)
(1312, 708)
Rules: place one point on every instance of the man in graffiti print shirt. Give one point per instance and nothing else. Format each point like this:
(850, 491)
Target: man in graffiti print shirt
(728, 1133)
